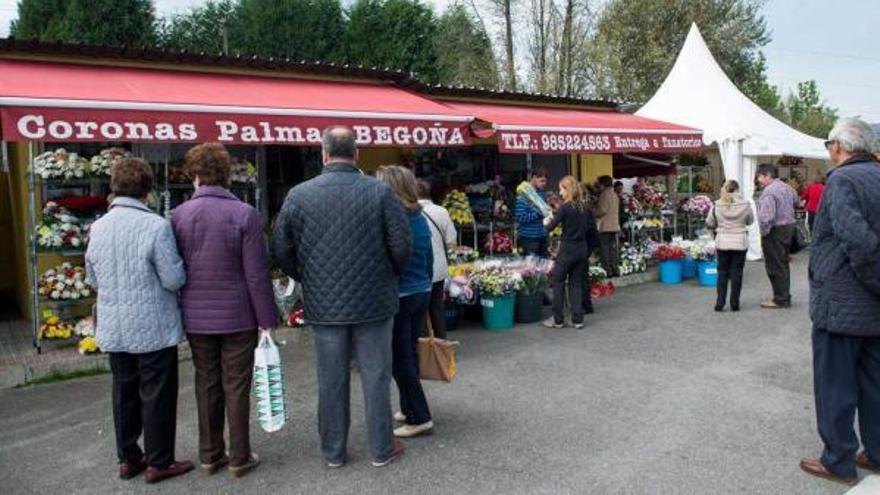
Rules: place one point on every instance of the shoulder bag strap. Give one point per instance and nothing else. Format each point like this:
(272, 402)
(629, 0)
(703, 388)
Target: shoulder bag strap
(442, 241)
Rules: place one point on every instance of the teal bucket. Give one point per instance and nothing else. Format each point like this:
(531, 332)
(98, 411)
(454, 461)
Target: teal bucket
(708, 273)
(688, 269)
(671, 271)
(498, 312)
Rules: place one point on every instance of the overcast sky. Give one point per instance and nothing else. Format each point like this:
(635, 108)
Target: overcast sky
(835, 46)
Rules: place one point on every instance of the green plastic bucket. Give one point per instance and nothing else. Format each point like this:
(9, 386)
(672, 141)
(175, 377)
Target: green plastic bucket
(498, 312)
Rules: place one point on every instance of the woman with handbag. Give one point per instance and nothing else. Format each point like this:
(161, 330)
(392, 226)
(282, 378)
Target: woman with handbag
(415, 293)
(443, 237)
(730, 218)
(579, 237)
(228, 295)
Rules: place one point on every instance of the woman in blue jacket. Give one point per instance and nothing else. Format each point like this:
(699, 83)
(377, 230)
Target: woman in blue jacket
(415, 294)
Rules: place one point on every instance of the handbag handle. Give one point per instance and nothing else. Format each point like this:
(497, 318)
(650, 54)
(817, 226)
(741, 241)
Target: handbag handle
(429, 326)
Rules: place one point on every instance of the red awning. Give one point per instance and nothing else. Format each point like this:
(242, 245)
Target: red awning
(527, 129)
(46, 101)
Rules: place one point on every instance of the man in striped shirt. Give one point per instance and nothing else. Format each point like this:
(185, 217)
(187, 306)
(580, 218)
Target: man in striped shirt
(532, 237)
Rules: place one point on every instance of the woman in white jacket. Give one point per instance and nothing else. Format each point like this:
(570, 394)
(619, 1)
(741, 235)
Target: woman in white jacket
(443, 237)
(730, 217)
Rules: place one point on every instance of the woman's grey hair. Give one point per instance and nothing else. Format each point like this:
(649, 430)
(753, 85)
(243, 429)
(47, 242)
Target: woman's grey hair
(854, 136)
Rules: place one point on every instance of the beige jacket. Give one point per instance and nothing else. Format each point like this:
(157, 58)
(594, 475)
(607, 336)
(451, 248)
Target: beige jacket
(608, 212)
(730, 222)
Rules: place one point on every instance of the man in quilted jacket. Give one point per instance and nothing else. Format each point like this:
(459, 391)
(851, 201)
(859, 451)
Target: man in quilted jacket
(845, 307)
(346, 238)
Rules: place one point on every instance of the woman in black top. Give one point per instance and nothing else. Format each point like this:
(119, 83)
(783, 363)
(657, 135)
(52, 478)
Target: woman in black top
(579, 237)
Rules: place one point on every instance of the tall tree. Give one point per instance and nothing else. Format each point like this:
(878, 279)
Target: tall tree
(97, 22)
(464, 51)
(302, 29)
(41, 19)
(202, 29)
(110, 22)
(544, 26)
(807, 112)
(636, 43)
(504, 9)
(397, 34)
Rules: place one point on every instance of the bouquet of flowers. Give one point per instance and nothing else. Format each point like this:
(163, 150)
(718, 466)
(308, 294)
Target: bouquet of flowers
(597, 274)
(287, 297)
(463, 254)
(632, 259)
(631, 205)
(498, 242)
(60, 229)
(526, 190)
(501, 211)
(669, 252)
(698, 205)
(495, 281)
(458, 287)
(64, 282)
(60, 164)
(243, 172)
(88, 345)
(649, 197)
(85, 327)
(456, 202)
(533, 274)
(102, 163)
(54, 328)
(702, 250)
(297, 319)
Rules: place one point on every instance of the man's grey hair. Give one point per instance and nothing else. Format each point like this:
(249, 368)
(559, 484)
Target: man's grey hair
(339, 142)
(854, 136)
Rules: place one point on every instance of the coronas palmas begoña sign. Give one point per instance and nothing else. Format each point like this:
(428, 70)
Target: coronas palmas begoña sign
(83, 125)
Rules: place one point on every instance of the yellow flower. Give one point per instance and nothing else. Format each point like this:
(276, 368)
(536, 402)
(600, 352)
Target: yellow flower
(88, 345)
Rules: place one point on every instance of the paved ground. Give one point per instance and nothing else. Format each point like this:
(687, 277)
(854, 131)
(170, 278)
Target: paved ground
(659, 395)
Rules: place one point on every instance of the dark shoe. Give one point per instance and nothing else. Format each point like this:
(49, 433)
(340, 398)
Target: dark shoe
(215, 466)
(178, 468)
(863, 462)
(719, 308)
(589, 310)
(734, 307)
(816, 468)
(239, 471)
(128, 470)
(396, 454)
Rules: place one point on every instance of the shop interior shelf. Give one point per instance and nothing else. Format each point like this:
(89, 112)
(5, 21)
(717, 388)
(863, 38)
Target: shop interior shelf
(87, 181)
(72, 253)
(45, 301)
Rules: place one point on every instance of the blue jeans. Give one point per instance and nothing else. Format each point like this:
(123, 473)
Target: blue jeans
(334, 347)
(408, 325)
(846, 377)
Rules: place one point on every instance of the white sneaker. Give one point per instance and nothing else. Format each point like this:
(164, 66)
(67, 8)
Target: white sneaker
(578, 326)
(335, 465)
(399, 417)
(409, 431)
(551, 323)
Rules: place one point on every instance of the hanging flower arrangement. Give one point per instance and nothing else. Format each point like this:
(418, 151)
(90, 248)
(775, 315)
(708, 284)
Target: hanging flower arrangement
(60, 164)
(456, 203)
(59, 229)
(103, 162)
(64, 282)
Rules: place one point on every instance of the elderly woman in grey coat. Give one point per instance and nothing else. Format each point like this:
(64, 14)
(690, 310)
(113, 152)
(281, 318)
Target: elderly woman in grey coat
(730, 217)
(132, 260)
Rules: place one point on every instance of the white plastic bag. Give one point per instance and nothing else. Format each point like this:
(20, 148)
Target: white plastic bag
(269, 384)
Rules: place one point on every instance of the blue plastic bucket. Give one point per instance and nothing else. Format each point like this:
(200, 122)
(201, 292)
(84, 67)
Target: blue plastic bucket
(689, 269)
(670, 272)
(498, 312)
(708, 273)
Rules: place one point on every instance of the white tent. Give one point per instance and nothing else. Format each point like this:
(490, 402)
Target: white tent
(697, 93)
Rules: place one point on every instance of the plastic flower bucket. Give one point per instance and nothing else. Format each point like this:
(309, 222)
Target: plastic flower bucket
(670, 272)
(529, 307)
(498, 312)
(689, 269)
(708, 273)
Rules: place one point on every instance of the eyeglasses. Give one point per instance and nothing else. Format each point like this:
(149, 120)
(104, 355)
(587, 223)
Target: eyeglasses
(829, 143)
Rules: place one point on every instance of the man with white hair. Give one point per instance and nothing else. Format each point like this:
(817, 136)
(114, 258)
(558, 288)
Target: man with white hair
(845, 307)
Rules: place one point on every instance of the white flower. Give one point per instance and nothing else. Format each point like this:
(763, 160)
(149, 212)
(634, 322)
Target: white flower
(55, 294)
(79, 285)
(85, 292)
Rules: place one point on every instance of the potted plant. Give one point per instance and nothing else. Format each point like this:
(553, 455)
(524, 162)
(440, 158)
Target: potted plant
(670, 258)
(497, 288)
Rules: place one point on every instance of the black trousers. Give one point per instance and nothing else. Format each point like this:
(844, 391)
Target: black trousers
(608, 253)
(730, 271)
(408, 325)
(777, 246)
(437, 310)
(533, 247)
(145, 401)
(846, 379)
(572, 266)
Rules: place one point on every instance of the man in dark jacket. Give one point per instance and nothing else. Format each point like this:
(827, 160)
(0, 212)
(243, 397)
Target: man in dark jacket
(845, 307)
(345, 236)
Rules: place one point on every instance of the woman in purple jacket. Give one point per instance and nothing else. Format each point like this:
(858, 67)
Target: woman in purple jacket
(227, 298)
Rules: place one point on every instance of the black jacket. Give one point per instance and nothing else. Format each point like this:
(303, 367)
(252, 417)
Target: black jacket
(345, 236)
(845, 252)
(578, 227)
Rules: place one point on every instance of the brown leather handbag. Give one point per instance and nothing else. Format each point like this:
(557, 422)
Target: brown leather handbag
(436, 357)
